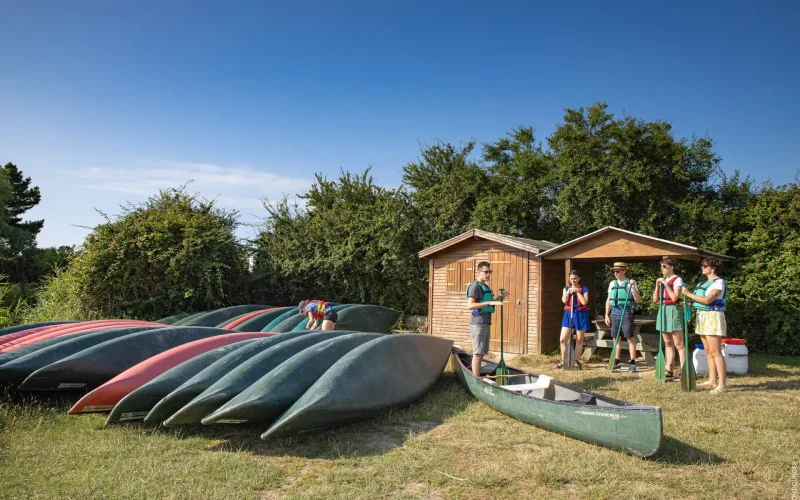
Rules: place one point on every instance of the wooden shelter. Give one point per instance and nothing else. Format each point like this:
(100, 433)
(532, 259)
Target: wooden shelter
(533, 272)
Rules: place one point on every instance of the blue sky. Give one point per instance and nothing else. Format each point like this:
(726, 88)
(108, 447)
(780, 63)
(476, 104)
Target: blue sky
(106, 102)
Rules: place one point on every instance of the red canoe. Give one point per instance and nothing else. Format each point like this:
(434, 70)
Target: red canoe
(103, 398)
(239, 321)
(73, 328)
(24, 333)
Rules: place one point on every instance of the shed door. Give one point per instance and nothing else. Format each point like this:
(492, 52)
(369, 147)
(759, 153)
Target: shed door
(510, 271)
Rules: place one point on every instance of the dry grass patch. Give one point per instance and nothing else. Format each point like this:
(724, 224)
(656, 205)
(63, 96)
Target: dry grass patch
(447, 445)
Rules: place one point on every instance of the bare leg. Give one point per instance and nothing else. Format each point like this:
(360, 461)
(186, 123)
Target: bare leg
(565, 334)
(677, 339)
(476, 364)
(632, 348)
(712, 369)
(328, 325)
(670, 350)
(714, 344)
(579, 344)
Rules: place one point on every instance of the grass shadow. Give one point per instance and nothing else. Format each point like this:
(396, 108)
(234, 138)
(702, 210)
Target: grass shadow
(371, 437)
(791, 385)
(596, 384)
(677, 452)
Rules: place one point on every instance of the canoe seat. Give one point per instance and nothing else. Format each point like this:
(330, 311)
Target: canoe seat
(543, 382)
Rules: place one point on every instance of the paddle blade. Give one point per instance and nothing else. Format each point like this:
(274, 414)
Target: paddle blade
(661, 366)
(568, 361)
(688, 373)
(613, 356)
(501, 372)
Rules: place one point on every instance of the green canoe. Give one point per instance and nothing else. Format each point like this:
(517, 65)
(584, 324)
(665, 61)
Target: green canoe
(368, 318)
(568, 410)
(193, 387)
(213, 318)
(240, 378)
(275, 392)
(188, 318)
(97, 365)
(138, 403)
(385, 373)
(15, 371)
(257, 323)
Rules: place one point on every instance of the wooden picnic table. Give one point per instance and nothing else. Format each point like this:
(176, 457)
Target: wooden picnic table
(646, 343)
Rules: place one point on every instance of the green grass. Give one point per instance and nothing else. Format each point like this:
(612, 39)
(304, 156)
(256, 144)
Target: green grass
(447, 445)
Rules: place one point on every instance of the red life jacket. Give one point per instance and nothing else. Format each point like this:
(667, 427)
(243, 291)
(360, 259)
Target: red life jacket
(667, 300)
(568, 305)
(320, 312)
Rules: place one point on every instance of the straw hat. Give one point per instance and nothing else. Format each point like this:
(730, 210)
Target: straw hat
(619, 266)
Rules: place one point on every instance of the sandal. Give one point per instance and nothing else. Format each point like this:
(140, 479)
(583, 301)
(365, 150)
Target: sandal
(719, 390)
(578, 365)
(706, 384)
(668, 376)
(559, 365)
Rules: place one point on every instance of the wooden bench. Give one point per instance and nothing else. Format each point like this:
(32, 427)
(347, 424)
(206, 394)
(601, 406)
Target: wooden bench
(646, 343)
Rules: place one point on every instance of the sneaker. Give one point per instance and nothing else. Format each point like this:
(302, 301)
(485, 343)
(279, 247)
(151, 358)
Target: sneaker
(558, 365)
(632, 368)
(577, 365)
(616, 365)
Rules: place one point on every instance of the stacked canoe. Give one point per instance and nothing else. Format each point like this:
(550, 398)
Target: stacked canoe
(252, 363)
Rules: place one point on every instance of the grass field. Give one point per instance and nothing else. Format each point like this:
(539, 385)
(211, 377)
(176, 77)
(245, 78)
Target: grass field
(737, 445)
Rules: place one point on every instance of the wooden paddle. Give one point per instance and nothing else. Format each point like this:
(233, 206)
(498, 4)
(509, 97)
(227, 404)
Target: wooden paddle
(661, 364)
(502, 369)
(616, 340)
(688, 375)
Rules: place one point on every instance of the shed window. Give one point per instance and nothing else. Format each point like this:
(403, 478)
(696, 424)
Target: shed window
(459, 275)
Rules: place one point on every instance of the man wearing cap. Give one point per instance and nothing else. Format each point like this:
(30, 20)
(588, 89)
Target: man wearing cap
(623, 294)
(316, 310)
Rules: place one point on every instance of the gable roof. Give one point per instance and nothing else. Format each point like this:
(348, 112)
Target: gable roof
(681, 249)
(533, 246)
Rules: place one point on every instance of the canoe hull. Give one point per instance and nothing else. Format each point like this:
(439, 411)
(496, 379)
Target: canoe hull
(634, 429)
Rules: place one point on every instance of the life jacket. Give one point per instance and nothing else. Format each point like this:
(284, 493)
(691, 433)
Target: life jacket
(568, 305)
(667, 300)
(718, 304)
(320, 312)
(488, 296)
(619, 293)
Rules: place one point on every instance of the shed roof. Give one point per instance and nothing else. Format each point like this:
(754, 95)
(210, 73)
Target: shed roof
(533, 246)
(612, 242)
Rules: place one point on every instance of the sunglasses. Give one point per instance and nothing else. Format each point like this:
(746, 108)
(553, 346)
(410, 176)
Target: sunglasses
(704, 266)
(487, 272)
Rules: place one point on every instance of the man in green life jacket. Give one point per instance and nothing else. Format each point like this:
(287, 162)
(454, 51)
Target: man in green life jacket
(481, 302)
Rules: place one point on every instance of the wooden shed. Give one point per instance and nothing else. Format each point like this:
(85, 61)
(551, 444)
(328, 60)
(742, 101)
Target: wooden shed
(533, 272)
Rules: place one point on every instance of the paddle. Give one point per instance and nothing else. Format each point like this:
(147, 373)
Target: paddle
(661, 365)
(568, 361)
(616, 340)
(502, 369)
(688, 375)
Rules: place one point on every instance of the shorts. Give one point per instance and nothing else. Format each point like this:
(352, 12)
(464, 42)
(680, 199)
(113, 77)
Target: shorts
(711, 323)
(331, 315)
(480, 338)
(673, 319)
(627, 325)
(580, 320)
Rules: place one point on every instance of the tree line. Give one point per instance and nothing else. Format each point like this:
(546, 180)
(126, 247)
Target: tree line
(349, 239)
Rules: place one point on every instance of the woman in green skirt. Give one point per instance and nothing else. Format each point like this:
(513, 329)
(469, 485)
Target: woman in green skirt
(671, 325)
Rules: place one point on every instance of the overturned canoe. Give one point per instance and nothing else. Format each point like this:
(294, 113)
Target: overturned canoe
(30, 326)
(568, 410)
(230, 324)
(385, 373)
(213, 318)
(99, 364)
(107, 395)
(60, 330)
(301, 320)
(257, 323)
(170, 320)
(240, 378)
(271, 395)
(137, 404)
(17, 370)
(201, 381)
(368, 318)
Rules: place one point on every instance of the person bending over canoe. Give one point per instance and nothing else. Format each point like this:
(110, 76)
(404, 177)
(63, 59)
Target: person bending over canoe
(670, 288)
(709, 300)
(481, 302)
(621, 290)
(575, 297)
(318, 310)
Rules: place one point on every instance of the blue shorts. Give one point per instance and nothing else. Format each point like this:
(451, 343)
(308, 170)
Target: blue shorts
(580, 320)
